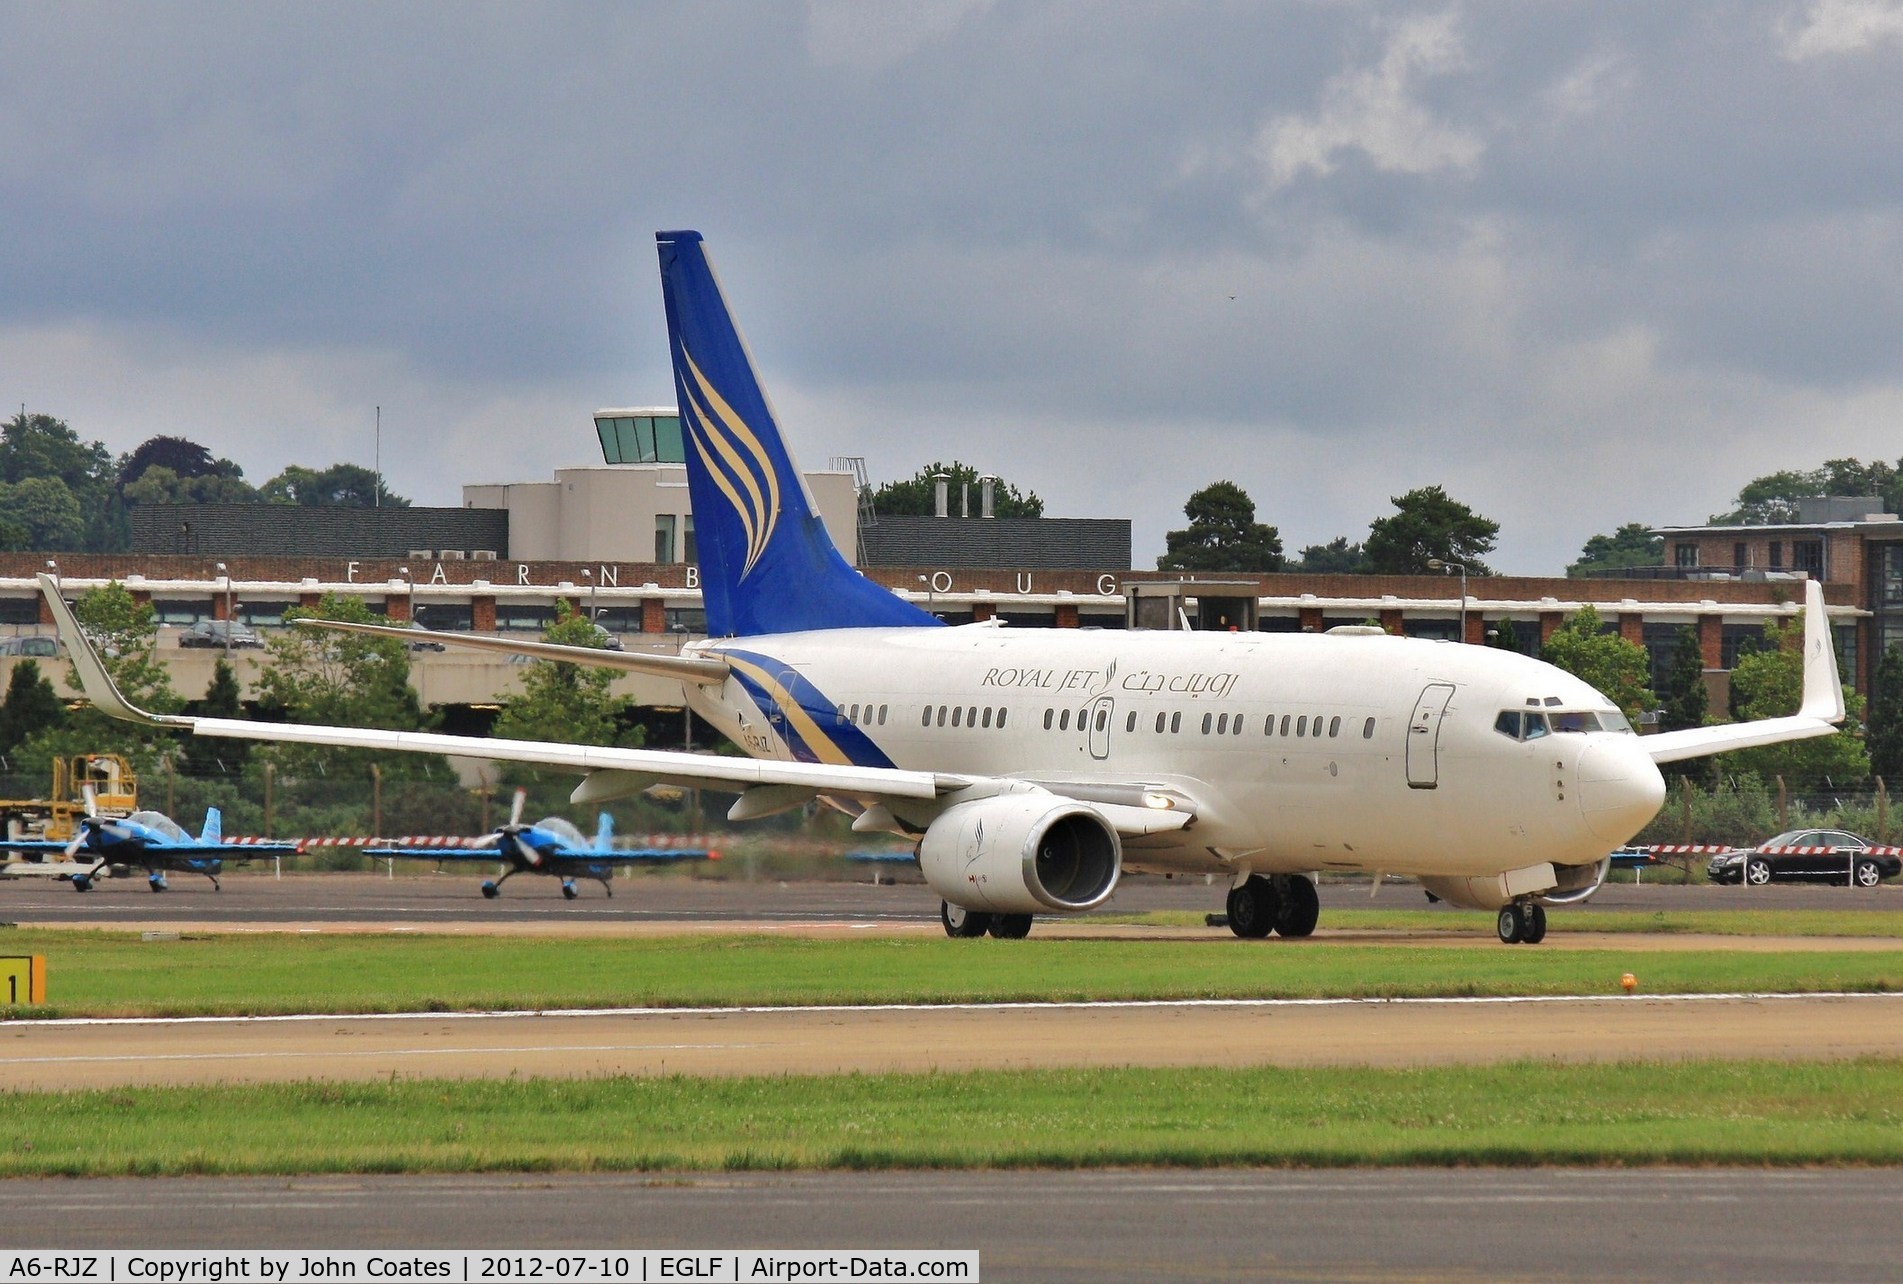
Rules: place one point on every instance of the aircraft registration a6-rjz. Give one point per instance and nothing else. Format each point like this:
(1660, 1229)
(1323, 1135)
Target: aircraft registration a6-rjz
(1034, 766)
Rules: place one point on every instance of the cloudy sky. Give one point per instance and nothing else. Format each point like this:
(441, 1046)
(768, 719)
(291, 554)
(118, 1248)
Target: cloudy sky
(1581, 264)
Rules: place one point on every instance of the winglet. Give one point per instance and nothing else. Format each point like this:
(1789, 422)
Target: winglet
(93, 678)
(1823, 688)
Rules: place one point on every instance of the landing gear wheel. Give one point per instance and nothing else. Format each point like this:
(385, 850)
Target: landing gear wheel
(1011, 927)
(81, 883)
(1534, 930)
(1757, 872)
(157, 883)
(1299, 908)
(490, 891)
(568, 891)
(1867, 874)
(1509, 925)
(962, 923)
(1253, 908)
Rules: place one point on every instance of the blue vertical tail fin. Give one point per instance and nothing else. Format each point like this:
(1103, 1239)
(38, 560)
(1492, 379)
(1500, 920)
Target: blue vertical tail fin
(605, 833)
(766, 562)
(214, 827)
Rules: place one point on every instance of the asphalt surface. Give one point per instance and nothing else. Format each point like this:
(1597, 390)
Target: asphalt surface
(254, 896)
(1096, 1226)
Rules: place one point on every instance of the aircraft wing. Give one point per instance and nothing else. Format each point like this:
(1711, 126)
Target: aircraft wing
(697, 669)
(30, 845)
(769, 785)
(1820, 713)
(436, 853)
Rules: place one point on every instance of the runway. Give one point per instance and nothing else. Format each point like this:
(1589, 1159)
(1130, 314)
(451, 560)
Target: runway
(875, 1040)
(1095, 1227)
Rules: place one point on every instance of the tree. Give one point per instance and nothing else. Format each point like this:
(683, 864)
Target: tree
(1772, 499)
(339, 486)
(1633, 544)
(1336, 557)
(31, 706)
(42, 447)
(160, 485)
(184, 458)
(918, 496)
(1223, 534)
(46, 511)
(1769, 683)
(562, 701)
(1606, 662)
(213, 755)
(1428, 524)
(1684, 701)
(344, 680)
(1883, 736)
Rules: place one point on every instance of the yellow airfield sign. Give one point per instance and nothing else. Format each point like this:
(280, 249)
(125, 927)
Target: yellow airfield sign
(22, 978)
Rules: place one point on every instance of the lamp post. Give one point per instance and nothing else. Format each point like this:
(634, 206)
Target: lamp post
(52, 567)
(590, 577)
(225, 576)
(931, 596)
(1436, 564)
(409, 596)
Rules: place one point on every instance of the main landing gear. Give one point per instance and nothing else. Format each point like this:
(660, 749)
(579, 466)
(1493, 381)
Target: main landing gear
(1522, 923)
(1284, 903)
(965, 924)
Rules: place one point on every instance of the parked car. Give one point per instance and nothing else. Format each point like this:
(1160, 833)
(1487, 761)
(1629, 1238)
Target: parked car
(39, 648)
(1808, 856)
(213, 633)
(424, 644)
(609, 642)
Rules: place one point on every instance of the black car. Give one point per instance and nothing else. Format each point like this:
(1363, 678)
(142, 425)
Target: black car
(220, 633)
(1808, 856)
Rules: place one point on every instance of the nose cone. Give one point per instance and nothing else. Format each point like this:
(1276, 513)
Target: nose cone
(1620, 788)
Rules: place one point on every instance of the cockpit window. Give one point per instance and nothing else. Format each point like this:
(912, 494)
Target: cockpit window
(1565, 720)
(1516, 725)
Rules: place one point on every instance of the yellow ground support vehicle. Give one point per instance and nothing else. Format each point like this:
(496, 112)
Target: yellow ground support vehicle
(115, 791)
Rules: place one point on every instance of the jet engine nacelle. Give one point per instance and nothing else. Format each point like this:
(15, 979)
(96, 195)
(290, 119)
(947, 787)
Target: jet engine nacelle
(1028, 853)
(1547, 884)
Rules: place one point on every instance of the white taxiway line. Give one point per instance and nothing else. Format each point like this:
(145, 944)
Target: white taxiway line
(1020, 1006)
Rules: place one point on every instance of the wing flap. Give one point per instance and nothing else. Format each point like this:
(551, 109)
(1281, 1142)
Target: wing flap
(695, 669)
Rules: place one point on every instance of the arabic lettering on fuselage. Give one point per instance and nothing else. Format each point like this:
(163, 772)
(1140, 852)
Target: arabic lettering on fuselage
(1095, 681)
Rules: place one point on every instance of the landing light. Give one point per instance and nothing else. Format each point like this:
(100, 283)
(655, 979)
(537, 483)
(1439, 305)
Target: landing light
(1159, 802)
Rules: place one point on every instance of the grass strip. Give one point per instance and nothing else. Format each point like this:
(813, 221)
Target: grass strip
(1690, 1112)
(115, 973)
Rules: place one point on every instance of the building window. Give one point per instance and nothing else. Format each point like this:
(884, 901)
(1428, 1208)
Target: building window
(690, 547)
(1684, 556)
(1777, 555)
(1739, 639)
(664, 524)
(1740, 555)
(446, 617)
(175, 610)
(640, 439)
(523, 617)
(1808, 555)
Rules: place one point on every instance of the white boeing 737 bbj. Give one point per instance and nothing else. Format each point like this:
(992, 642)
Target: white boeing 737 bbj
(1033, 767)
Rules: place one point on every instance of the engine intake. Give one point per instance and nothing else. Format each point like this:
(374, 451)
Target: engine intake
(1022, 854)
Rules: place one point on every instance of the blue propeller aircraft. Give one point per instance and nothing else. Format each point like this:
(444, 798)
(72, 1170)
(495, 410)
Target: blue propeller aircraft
(147, 840)
(550, 846)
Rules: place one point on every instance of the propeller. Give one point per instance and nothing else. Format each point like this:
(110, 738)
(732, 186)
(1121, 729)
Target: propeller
(82, 828)
(509, 834)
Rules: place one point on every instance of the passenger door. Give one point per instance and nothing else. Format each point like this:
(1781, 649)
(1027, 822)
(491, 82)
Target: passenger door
(1423, 735)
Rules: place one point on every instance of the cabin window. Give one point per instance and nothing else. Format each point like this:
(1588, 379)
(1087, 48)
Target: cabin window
(1001, 714)
(1206, 720)
(1367, 729)
(882, 709)
(926, 721)
(1130, 723)
(941, 715)
(1315, 727)
(1222, 724)
(1161, 718)
(1268, 728)
(1063, 720)
(1103, 719)
(839, 715)
(1285, 722)
(1301, 726)
(853, 716)
(1048, 715)
(955, 712)
(987, 719)
(1334, 727)
(1235, 728)
(1176, 723)
(971, 716)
